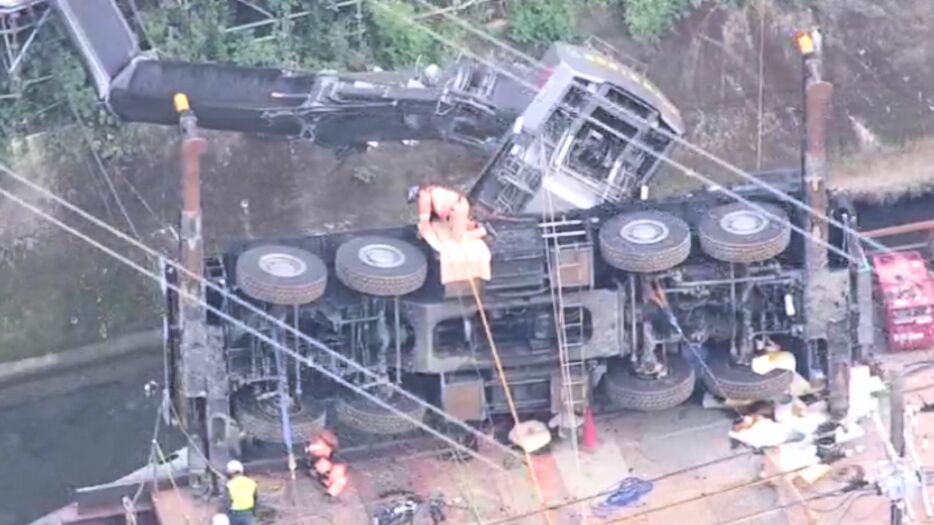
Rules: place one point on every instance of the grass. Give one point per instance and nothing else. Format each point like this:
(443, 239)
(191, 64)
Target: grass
(888, 174)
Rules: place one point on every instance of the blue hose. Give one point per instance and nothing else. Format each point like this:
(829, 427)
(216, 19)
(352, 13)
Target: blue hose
(284, 402)
(629, 493)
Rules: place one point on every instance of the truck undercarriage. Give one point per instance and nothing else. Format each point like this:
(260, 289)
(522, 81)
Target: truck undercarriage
(732, 278)
(593, 292)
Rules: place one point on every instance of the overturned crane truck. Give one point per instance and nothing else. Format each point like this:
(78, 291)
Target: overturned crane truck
(735, 279)
(642, 288)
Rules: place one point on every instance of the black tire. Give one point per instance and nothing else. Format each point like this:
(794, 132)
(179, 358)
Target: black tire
(722, 236)
(645, 241)
(403, 272)
(727, 380)
(626, 389)
(260, 419)
(281, 275)
(363, 415)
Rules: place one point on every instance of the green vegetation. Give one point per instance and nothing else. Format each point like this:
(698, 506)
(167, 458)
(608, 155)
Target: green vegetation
(303, 35)
(649, 19)
(538, 23)
(399, 40)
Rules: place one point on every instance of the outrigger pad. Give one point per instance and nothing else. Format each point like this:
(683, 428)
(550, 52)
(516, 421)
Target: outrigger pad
(461, 259)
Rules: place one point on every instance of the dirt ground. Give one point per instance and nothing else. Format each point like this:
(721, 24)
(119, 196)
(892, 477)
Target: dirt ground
(59, 293)
(877, 55)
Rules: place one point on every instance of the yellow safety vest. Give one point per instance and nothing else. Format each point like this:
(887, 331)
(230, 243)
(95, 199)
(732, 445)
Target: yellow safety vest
(242, 491)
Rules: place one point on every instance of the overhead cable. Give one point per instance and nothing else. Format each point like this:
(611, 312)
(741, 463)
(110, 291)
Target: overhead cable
(268, 340)
(638, 143)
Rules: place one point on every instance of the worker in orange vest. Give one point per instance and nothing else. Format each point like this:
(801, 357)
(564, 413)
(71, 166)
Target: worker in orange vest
(447, 205)
(331, 475)
(323, 445)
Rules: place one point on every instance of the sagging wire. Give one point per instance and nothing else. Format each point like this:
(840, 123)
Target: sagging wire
(234, 298)
(468, 334)
(851, 497)
(630, 114)
(129, 504)
(175, 488)
(862, 264)
(667, 159)
(656, 480)
(556, 287)
(533, 475)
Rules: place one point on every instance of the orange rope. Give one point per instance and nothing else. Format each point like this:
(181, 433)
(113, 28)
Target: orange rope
(512, 405)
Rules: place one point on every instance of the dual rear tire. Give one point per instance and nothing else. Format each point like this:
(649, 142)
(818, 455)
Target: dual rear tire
(290, 276)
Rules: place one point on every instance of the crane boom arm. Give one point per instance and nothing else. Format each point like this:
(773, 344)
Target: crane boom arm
(333, 110)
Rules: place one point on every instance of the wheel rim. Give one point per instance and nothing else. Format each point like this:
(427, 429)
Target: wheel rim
(269, 407)
(282, 265)
(644, 231)
(743, 222)
(381, 256)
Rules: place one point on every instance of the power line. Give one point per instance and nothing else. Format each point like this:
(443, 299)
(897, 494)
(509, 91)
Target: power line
(227, 317)
(233, 297)
(533, 475)
(863, 264)
(86, 135)
(853, 496)
(642, 146)
(715, 493)
(629, 113)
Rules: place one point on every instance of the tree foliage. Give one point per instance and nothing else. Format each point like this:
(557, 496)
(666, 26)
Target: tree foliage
(397, 40)
(538, 23)
(376, 33)
(649, 19)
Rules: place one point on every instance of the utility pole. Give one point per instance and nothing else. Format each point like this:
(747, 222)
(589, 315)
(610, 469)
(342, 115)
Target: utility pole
(817, 96)
(202, 390)
(826, 290)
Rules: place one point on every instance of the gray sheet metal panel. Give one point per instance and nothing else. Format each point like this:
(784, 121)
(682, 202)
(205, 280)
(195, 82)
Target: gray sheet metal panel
(535, 115)
(102, 36)
(592, 64)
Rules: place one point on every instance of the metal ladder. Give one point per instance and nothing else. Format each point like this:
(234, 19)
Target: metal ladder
(519, 181)
(560, 236)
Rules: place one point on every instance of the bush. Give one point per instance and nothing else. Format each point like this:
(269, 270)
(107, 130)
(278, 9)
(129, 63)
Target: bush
(397, 40)
(648, 19)
(538, 23)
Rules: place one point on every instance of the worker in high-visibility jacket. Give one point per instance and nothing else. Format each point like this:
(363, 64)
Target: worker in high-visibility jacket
(241, 495)
(330, 473)
(449, 206)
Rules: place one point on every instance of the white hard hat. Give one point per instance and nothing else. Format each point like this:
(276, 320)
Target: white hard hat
(234, 467)
(220, 519)
(431, 72)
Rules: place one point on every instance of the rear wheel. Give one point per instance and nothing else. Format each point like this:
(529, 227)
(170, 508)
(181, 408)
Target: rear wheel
(381, 266)
(740, 233)
(645, 241)
(363, 415)
(260, 418)
(281, 275)
(723, 378)
(629, 390)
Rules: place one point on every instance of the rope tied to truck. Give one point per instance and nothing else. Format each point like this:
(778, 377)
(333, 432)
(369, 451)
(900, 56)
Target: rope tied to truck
(509, 400)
